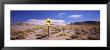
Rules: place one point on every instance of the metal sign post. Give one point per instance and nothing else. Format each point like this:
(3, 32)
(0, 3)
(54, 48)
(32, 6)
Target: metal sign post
(48, 31)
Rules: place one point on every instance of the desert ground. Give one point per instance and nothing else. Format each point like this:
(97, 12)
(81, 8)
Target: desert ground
(56, 32)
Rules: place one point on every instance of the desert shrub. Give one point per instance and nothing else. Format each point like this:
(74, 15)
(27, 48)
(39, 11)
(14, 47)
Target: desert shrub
(38, 27)
(19, 35)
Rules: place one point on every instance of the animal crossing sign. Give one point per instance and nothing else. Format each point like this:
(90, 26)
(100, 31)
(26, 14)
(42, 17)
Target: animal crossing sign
(48, 21)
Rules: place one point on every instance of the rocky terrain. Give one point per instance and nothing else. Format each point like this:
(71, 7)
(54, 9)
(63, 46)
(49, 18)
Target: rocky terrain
(88, 30)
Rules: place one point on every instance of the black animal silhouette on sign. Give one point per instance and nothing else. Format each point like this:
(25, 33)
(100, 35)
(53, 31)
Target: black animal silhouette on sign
(48, 21)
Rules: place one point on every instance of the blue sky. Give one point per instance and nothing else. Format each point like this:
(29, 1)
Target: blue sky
(69, 16)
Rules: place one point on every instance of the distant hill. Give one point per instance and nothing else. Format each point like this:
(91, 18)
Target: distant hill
(20, 23)
(85, 22)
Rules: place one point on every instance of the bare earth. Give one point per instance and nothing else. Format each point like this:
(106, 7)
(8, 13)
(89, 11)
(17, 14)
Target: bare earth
(56, 32)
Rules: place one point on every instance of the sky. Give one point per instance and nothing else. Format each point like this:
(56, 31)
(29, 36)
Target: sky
(61, 16)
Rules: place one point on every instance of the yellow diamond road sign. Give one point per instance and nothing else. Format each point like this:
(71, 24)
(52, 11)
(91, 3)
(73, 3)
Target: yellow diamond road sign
(48, 21)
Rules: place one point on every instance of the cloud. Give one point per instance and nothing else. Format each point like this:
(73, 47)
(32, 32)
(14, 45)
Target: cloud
(35, 21)
(59, 22)
(75, 16)
(41, 22)
(60, 14)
